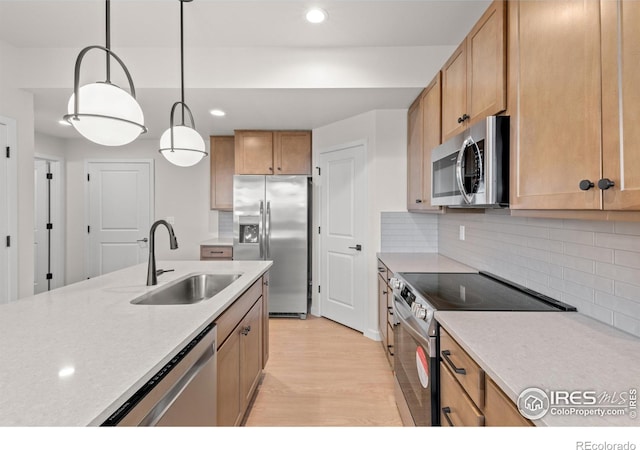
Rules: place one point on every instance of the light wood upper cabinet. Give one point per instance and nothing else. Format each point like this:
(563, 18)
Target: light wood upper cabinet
(292, 152)
(254, 152)
(222, 150)
(621, 103)
(423, 132)
(272, 152)
(554, 99)
(474, 77)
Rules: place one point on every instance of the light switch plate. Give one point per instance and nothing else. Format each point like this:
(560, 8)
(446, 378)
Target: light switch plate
(462, 232)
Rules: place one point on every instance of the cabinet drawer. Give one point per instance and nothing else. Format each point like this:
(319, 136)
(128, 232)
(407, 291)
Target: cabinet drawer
(383, 271)
(499, 410)
(234, 313)
(216, 252)
(463, 368)
(456, 408)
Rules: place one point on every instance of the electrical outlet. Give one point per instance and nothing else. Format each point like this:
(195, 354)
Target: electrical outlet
(462, 232)
(171, 220)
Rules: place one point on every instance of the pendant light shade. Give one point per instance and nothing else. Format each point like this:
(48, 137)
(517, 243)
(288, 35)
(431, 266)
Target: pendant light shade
(181, 144)
(103, 112)
(110, 115)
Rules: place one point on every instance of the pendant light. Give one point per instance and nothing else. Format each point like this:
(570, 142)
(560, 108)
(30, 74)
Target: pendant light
(103, 112)
(181, 144)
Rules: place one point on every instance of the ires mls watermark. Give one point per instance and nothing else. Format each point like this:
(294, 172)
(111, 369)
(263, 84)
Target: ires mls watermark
(534, 403)
(589, 445)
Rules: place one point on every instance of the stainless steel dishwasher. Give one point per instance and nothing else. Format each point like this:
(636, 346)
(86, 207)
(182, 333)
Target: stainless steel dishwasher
(182, 393)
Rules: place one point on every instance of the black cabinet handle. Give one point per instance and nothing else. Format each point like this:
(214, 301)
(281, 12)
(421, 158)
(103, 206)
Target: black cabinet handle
(446, 411)
(585, 185)
(390, 308)
(390, 349)
(445, 355)
(463, 118)
(418, 201)
(245, 331)
(605, 184)
(381, 269)
(279, 168)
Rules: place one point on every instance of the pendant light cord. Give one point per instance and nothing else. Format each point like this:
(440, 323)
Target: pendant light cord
(108, 39)
(182, 58)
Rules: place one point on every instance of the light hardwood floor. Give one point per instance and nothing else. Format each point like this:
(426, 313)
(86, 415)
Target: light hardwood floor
(321, 373)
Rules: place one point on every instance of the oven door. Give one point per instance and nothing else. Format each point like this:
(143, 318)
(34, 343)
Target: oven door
(415, 369)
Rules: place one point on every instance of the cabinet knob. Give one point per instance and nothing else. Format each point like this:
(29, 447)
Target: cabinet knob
(270, 169)
(246, 330)
(463, 118)
(585, 185)
(279, 168)
(605, 184)
(418, 201)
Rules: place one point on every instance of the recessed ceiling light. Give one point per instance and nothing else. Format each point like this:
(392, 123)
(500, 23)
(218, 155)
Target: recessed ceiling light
(218, 112)
(64, 122)
(316, 15)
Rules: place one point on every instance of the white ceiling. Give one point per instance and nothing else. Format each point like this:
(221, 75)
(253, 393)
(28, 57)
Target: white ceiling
(260, 61)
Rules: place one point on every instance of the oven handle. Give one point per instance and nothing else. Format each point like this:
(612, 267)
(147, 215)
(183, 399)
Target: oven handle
(415, 334)
(467, 142)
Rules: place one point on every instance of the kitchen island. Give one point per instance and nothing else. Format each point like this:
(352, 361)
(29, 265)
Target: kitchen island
(73, 355)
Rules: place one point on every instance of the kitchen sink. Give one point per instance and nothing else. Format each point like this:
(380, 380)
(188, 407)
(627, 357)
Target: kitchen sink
(189, 290)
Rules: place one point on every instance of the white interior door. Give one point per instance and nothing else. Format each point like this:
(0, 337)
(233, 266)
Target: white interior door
(120, 214)
(40, 232)
(8, 212)
(343, 284)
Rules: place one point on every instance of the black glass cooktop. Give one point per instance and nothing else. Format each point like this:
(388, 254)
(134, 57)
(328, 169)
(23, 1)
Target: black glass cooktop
(478, 292)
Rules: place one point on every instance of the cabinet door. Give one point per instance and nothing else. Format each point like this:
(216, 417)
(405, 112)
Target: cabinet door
(486, 64)
(415, 198)
(250, 352)
(254, 152)
(554, 101)
(457, 409)
(228, 398)
(382, 310)
(265, 319)
(499, 410)
(222, 160)
(621, 103)
(292, 152)
(431, 135)
(454, 93)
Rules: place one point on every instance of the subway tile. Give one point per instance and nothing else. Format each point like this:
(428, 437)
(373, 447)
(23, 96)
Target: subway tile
(575, 289)
(588, 252)
(588, 225)
(628, 307)
(618, 273)
(578, 237)
(545, 244)
(589, 308)
(632, 228)
(618, 241)
(573, 262)
(592, 281)
(628, 259)
(626, 323)
(626, 290)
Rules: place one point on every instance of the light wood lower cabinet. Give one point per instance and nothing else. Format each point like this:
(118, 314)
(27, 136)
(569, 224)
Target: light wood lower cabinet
(385, 311)
(468, 397)
(240, 354)
(216, 252)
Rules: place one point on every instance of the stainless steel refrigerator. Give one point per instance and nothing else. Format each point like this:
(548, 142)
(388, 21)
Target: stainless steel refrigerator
(271, 222)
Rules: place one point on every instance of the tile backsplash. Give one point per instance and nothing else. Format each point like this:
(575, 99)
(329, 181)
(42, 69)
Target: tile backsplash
(408, 233)
(225, 224)
(594, 266)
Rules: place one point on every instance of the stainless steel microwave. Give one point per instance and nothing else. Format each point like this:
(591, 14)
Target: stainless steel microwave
(472, 168)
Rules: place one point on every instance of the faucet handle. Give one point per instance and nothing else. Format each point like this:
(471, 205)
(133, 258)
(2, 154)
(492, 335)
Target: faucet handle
(161, 271)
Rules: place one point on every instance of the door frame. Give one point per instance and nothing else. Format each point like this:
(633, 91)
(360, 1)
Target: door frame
(87, 198)
(58, 202)
(318, 238)
(12, 207)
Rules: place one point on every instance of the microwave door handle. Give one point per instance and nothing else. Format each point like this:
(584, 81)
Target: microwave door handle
(461, 152)
(261, 230)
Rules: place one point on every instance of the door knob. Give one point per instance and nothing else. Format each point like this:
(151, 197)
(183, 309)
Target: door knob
(605, 184)
(585, 185)
(143, 240)
(357, 247)
(418, 201)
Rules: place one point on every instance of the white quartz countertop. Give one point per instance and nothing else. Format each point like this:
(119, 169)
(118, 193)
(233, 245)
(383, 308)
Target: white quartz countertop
(422, 262)
(72, 356)
(552, 351)
(226, 241)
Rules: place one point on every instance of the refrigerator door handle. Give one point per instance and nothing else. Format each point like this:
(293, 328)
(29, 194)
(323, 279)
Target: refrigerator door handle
(268, 230)
(261, 230)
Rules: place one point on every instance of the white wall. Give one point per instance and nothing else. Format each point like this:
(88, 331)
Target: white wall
(384, 131)
(180, 192)
(18, 104)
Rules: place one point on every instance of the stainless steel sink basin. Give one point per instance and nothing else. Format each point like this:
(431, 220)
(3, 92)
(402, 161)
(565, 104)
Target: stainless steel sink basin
(192, 289)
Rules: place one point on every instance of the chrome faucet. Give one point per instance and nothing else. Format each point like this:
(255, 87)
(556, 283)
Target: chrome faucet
(152, 273)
